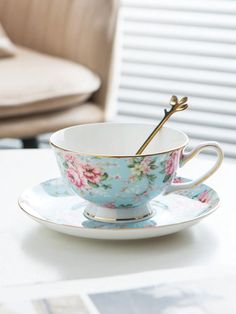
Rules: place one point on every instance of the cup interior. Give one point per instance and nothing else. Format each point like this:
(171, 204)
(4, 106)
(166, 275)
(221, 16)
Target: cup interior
(117, 139)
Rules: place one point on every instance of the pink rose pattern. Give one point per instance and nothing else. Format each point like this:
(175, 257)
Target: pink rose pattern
(204, 197)
(110, 205)
(170, 165)
(178, 180)
(83, 175)
(92, 173)
(76, 177)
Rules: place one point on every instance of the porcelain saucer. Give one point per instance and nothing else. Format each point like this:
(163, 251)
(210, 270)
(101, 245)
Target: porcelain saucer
(52, 204)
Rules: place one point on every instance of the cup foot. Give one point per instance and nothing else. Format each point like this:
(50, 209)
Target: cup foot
(118, 215)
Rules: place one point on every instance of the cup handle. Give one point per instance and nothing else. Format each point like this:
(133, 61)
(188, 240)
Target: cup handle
(186, 156)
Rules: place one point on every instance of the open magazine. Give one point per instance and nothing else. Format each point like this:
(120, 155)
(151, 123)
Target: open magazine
(178, 291)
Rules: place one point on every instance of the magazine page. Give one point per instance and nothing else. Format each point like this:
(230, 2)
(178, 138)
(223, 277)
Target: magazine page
(178, 291)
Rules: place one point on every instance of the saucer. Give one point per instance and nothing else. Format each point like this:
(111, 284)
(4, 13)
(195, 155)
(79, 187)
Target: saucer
(54, 205)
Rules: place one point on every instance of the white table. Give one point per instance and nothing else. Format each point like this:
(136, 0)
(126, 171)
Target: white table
(30, 253)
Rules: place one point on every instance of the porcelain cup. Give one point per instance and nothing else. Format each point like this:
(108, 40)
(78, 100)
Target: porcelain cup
(98, 162)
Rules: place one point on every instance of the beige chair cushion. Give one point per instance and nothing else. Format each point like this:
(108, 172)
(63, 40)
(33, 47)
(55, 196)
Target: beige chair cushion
(6, 46)
(78, 30)
(30, 126)
(33, 82)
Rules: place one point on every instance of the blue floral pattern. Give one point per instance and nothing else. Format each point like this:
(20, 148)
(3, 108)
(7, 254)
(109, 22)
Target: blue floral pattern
(118, 182)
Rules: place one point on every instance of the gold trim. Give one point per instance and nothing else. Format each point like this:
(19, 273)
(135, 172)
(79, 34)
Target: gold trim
(113, 220)
(117, 156)
(122, 156)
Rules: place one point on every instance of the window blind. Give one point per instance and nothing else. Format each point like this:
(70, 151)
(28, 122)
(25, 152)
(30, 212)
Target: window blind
(187, 48)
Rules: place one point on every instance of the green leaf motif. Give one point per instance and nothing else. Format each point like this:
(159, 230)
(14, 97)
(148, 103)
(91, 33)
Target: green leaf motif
(106, 186)
(153, 167)
(151, 177)
(152, 162)
(125, 206)
(196, 196)
(104, 176)
(167, 177)
(137, 160)
(162, 172)
(93, 185)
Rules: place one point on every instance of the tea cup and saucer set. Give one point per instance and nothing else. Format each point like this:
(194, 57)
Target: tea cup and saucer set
(107, 192)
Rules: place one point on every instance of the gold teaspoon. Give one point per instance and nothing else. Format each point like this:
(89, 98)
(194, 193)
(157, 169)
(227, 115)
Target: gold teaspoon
(176, 106)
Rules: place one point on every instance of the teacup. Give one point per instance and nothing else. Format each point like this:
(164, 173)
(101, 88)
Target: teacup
(98, 162)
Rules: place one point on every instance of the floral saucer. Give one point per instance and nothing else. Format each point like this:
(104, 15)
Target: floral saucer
(52, 204)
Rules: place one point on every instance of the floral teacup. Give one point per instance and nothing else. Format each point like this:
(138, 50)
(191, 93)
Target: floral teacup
(99, 164)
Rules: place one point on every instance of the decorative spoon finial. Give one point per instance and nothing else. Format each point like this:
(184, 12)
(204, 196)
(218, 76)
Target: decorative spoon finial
(176, 106)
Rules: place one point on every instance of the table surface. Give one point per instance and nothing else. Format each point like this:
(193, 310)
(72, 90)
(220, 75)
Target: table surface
(31, 253)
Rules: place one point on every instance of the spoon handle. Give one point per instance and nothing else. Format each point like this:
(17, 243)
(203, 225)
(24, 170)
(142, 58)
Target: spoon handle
(175, 107)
